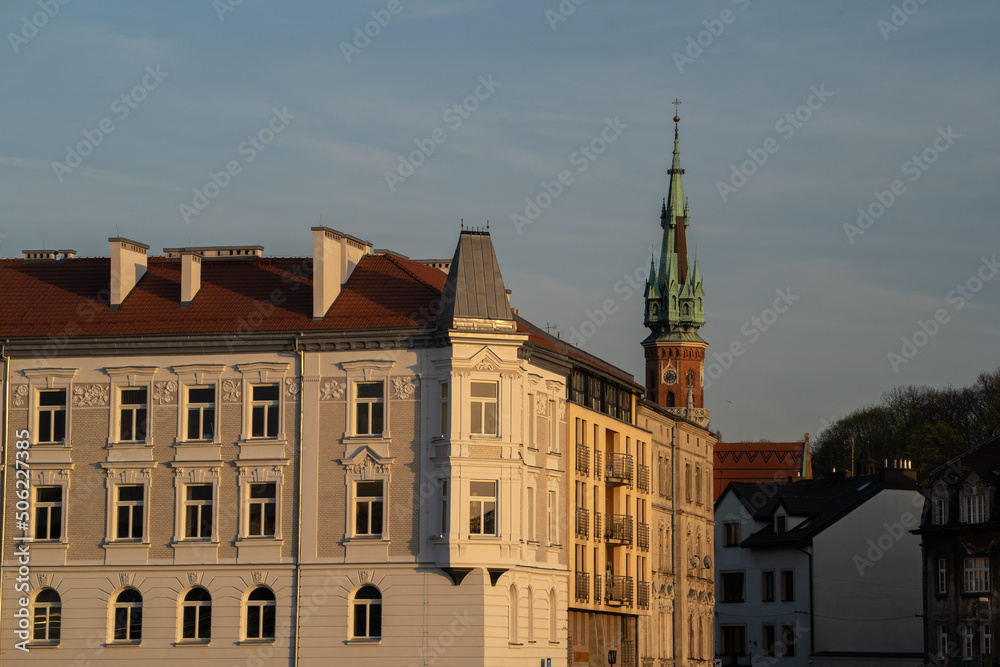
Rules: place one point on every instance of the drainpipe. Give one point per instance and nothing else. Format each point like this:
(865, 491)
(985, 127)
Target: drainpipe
(298, 518)
(3, 447)
(678, 617)
(812, 616)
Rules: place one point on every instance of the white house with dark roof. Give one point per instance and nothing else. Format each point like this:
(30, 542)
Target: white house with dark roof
(819, 572)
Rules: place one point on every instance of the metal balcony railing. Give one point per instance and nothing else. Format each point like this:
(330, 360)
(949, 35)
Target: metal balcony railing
(643, 478)
(598, 592)
(618, 590)
(643, 594)
(643, 541)
(618, 530)
(583, 459)
(618, 471)
(597, 463)
(583, 586)
(582, 522)
(597, 526)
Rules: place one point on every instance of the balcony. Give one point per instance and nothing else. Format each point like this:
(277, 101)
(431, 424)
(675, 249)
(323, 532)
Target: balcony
(597, 589)
(597, 463)
(597, 526)
(619, 530)
(644, 478)
(643, 541)
(628, 652)
(643, 594)
(583, 586)
(583, 459)
(618, 591)
(582, 522)
(618, 471)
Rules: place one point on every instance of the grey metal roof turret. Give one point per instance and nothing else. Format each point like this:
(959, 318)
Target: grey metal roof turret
(474, 294)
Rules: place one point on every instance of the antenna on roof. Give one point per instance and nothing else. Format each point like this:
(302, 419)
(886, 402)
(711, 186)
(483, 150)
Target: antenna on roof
(462, 223)
(487, 225)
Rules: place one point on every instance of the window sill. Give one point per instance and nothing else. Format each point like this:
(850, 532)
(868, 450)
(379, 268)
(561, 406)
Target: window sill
(364, 640)
(126, 543)
(256, 642)
(361, 439)
(367, 538)
(122, 642)
(43, 644)
(484, 537)
(193, 642)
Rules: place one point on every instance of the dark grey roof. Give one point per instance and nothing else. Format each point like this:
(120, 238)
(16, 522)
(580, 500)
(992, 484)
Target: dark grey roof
(474, 289)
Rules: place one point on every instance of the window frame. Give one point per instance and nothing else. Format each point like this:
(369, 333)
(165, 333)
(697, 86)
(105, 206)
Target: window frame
(263, 605)
(188, 405)
(131, 476)
(444, 401)
(942, 640)
(121, 407)
(942, 576)
(212, 504)
(485, 500)
(133, 609)
(43, 379)
(261, 502)
(265, 405)
(725, 578)
(369, 501)
(357, 401)
(731, 533)
(768, 589)
(769, 649)
(976, 574)
(183, 604)
(787, 585)
(974, 506)
(124, 379)
(50, 623)
(52, 411)
(368, 604)
(788, 630)
(968, 640)
(362, 371)
(40, 505)
(725, 641)
(483, 403)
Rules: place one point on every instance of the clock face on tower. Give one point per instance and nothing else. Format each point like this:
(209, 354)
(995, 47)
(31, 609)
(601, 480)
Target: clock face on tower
(670, 376)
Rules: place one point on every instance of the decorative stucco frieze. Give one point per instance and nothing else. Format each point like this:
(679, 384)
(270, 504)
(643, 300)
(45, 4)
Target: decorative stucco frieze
(90, 394)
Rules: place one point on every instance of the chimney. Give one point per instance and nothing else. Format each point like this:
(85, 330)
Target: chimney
(128, 265)
(190, 276)
(334, 257)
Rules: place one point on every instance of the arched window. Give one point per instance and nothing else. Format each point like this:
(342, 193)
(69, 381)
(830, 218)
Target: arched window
(196, 615)
(367, 608)
(261, 609)
(46, 614)
(671, 399)
(127, 615)
(512, 615)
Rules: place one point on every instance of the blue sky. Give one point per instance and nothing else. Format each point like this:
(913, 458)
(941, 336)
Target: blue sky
(331, 113)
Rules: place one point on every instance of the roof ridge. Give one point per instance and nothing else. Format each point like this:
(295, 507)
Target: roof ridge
(398, 262)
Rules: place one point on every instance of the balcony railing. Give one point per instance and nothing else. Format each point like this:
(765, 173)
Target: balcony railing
(598, 591)
(618, 471)
(597, 526)
(619, 529)
(643, 478)
(597, 463)
(583, 459)
(628, 652)
(643, 594)
(643, 541)
(582, 522)
(583, 586)
(618, 591)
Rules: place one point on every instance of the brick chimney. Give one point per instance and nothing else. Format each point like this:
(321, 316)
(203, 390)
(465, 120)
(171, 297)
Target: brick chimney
(190, 276)
(334, 257)
(128, 265)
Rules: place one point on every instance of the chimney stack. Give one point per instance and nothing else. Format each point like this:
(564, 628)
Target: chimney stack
(190, 276)
(128, 265)
(334, 257)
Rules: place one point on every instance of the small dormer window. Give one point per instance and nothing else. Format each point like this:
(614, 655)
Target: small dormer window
(780, 523)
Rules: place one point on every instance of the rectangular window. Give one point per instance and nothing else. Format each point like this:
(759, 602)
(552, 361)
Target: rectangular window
(129, 500)
(767, 586)
(483, 508)
(132, 416)
(977, 575)
(531, 513)
(51, 415)
(262, 510)
(369, 416)
(942, 576)
(968, 639)
(687, 481)
(484, 408)
(769, 638)
(975, 508)
(369, 508)
(780, 523)
(942, 640)
(731, 538)
(553, 519)
(444, 507)
(734, 639)
(264, 411)
(198, 511)
(733, 587)
(200, 413)
(697, 484)
(788, 639)
(939, 512)
(986, 636)
(48, 512)
(443, 424)
(787, 585)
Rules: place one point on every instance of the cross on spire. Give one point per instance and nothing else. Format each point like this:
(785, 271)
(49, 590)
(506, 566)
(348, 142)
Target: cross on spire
(676, 103)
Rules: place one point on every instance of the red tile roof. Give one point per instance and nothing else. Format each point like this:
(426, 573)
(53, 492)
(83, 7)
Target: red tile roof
(756, 462)
(70, 297)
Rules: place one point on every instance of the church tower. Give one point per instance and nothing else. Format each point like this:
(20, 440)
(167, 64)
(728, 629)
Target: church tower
(675, 310)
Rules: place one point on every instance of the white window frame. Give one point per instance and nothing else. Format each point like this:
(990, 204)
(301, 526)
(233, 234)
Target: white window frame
(734, 527)
(201, 406)
(942, 576)
(37, 606)
(370, 401)
(185, 477)
(968, 640)
(262, 605)
(531, 514)
(367, 604)
(942, 640)
(985, 639)
(264, 405)
(370, 501)
(482, 501)
(940, 511)
(42, 477)
(124, 378)
(131, 606)
(359, 372)
(48, 414)
(250, 475)
(256, 374)
(553, 517)
(196, 376)
(974, 506)
(131, 476)
(976, 574)
(199, 606)
(39, 506)
(444, 419)
(41, 379)
(260, 504)
(480, 405)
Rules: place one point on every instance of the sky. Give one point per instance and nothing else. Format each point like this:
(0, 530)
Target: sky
(841, 163)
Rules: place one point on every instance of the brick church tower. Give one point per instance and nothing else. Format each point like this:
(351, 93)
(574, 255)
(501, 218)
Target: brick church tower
(675, 311)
